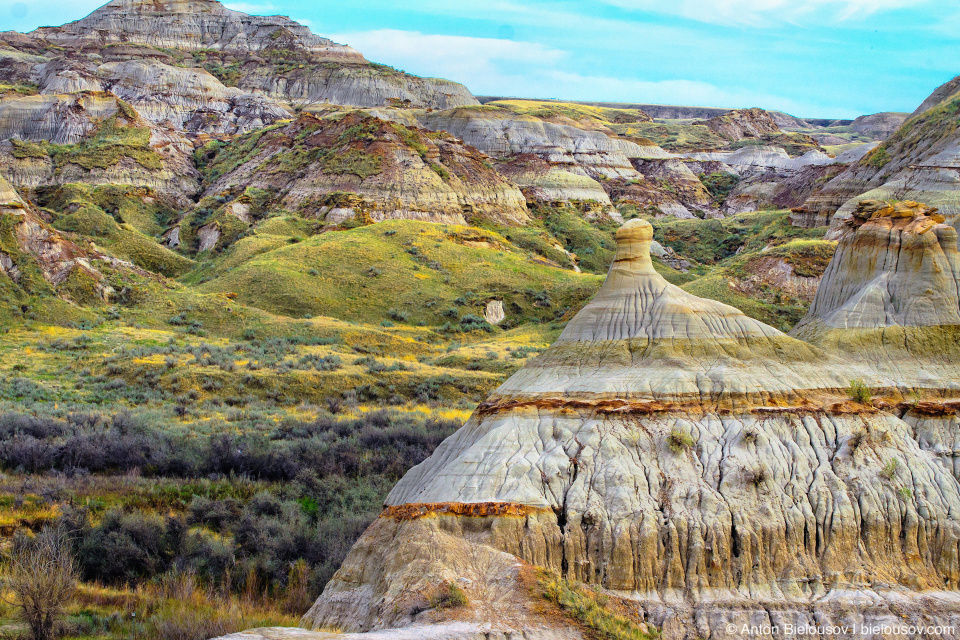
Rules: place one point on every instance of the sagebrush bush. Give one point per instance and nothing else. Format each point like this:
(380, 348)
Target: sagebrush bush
(858, 391)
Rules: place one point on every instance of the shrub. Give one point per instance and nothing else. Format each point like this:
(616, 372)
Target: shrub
(449, 596)
(471, 322)
(889, 470)
(399, 316)
(857, 440)
(757, 476)
(859, 392)
(42, 576)
(678, 441)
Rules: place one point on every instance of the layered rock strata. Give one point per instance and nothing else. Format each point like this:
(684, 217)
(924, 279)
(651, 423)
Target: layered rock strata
(919, 161)
(198, 25)
(358, 166)
(97, 139)
(577, 159)
(896, 267)
(707, 466)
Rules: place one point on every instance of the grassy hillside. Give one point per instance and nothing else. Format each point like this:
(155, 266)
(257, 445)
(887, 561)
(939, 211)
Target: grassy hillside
(408, 272)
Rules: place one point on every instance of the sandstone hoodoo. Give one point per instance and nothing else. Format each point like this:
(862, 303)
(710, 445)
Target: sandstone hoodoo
(672, 450)
(893, 286)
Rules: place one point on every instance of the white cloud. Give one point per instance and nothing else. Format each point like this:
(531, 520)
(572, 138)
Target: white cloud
(458, 58)
(766, 12)
(491, 66)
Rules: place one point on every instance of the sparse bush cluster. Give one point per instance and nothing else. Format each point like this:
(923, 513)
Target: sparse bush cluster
(378, 443)
(679, 441)
(329, 477)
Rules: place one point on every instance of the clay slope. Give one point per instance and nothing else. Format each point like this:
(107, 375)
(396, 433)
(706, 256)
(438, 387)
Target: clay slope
(554, 158)
(746, 123)
(358, 166)
(920, 161)
(671, 450)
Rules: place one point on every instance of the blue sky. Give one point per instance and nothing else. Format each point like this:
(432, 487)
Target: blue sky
(811, 58)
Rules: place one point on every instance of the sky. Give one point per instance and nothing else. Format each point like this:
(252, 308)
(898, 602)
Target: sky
(809, 58)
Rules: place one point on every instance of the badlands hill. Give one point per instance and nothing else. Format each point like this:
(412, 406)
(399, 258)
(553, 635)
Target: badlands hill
(918, 161)
(250, 280)
(272, 55)
(190, 72)
(711, 469)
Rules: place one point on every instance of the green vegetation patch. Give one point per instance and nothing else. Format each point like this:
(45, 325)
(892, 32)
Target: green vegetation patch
(674, 136)
(711, 241)
(109, 143)
(720, 184)
(20, 88)
(352, 161)
(591, 609)
(430, 272)
(79, 208)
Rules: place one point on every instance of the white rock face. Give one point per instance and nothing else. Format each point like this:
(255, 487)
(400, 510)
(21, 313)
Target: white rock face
(494, 312)
(208, 236)
(188, 99)
(705, 465)
(748, 158)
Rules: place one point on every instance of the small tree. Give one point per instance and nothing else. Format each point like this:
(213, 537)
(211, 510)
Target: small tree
(43, 578)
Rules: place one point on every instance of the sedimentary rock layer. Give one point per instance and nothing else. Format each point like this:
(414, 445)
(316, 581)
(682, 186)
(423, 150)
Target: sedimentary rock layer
(919, 161)
(358, 166)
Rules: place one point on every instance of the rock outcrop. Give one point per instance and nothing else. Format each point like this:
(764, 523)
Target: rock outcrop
(97, 139)
(38, 259)
(577, 159)
(743, 123)
(896, 266)
(879, 126)
(190, 25)
(919, 161)
(167, 49)
(356, 166)
(676, 452)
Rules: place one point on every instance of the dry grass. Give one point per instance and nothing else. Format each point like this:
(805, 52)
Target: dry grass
(175, 607)
(596, 612)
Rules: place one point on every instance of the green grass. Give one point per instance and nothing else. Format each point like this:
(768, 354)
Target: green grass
(23, 89)
(590, 609)
(711, 241)
(421, 269)
(546, 109)
(80, 209)
(674, 136)
(781, 314)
